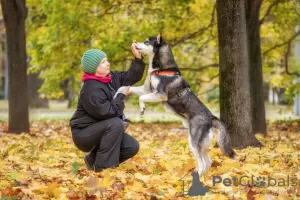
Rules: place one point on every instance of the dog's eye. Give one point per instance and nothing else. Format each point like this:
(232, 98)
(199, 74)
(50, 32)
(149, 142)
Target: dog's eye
(146, 42)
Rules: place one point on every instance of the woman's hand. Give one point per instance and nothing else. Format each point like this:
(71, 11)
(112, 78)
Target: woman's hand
(135, 51)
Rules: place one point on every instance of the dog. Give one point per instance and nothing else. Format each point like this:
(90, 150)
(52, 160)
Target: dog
(165, 84)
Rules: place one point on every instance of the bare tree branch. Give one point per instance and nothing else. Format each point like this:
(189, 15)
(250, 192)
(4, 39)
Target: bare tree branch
(213, 14)
(121, 60)
(199, 32)
(296, 7)
(268, 12)
(286, 60)
(107, 11)
(124, 48)
(208, 91)
(286, 56)
(200, 68)
(207, 81)
(282, 44)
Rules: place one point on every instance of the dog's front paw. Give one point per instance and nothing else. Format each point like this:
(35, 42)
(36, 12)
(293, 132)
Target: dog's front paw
(116, 95)
(142, 108)
(142, 112)
(120, 90)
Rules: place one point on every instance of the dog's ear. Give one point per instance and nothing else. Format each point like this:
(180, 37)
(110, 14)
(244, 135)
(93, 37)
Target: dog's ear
(158, 43)
(159, 39)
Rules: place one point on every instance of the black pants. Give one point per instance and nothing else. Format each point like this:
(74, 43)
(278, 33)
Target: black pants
(114, 146)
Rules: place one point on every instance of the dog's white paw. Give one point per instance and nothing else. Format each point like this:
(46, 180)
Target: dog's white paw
(142, 108)
(120, 90)
(116, 94)
(142, 112)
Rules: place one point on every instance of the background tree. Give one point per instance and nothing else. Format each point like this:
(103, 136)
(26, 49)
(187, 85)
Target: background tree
(278, 22)
(112, 26)
(59, 33)
(258, 116)
(14, 14)
(34, 99)
(235, 102)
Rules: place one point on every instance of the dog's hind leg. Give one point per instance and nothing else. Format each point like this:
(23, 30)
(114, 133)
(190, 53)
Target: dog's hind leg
(185, 123)
(200, 138)
(198, 156)
(205, 149)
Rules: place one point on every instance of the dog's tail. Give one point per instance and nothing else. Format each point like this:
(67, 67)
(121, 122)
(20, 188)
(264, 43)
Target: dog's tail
(223, 138)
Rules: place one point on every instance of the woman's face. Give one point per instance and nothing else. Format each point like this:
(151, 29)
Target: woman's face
(103, 69)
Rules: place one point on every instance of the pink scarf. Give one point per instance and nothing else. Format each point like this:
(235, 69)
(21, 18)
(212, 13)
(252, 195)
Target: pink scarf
(102, 79)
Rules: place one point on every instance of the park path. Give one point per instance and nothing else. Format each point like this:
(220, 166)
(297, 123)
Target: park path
(149, 115)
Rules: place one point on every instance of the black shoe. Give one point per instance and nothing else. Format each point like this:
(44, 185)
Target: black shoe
(89, 162)
(97, 169)
(90, 158)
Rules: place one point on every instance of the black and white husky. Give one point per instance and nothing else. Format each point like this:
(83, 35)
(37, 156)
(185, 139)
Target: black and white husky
(165, 84)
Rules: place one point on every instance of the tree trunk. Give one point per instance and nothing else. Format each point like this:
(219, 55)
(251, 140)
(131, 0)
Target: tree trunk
(235, 105)
(14, 15)
(255, 70)
(71, 98)
(34, 100)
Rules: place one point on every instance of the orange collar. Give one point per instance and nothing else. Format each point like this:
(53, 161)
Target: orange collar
(157, 72)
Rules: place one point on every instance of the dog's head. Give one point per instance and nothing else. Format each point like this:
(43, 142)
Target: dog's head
(151, 45)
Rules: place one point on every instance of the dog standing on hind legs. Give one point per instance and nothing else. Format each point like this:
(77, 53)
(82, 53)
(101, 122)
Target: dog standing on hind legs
(165, 84)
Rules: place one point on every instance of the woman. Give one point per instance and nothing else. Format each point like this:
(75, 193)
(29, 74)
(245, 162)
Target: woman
(97, 126)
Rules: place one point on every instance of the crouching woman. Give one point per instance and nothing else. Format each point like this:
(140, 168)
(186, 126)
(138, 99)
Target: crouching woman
(97, 126)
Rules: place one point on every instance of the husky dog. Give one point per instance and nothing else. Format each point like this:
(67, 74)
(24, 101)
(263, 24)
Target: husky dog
(165, 84)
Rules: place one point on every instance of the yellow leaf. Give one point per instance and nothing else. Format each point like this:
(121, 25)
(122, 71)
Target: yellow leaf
(51, 187)
(283, 197)
(283, 148)
(107, 182)
(274, 163)
(189, 165)
(56, 192)
(295, 124)
(220, 197)
(144, 178)
(92, 182)
(137, 186)
(260, 197)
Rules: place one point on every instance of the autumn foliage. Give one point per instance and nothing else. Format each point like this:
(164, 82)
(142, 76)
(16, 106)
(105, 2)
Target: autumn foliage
(46, 165)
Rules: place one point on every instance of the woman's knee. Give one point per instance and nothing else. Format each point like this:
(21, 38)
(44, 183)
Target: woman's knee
(117, 125)
(135, 147)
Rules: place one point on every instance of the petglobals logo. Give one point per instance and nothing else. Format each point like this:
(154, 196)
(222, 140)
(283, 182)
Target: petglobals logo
(260, 181)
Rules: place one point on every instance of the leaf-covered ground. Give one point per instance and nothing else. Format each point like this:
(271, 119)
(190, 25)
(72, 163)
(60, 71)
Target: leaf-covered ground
(46, 165)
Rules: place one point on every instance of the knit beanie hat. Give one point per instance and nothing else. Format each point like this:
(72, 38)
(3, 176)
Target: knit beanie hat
(91, 60)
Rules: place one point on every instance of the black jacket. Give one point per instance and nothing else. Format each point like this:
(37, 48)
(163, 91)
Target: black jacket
(96, 101)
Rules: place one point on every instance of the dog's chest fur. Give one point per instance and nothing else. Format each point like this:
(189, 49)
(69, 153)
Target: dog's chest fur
(154, 83)
(153, 80)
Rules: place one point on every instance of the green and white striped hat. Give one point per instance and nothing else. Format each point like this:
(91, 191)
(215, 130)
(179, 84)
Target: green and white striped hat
(91, 60)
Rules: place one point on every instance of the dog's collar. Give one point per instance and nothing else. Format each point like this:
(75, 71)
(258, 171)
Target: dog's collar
(159, 72)
(180, 94)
